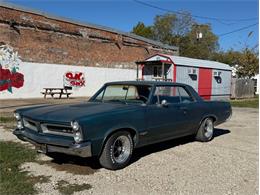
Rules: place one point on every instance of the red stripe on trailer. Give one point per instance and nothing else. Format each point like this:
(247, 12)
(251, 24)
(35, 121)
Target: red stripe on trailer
(166, 61)
(205, 83)
(174, 73)
(142, 69)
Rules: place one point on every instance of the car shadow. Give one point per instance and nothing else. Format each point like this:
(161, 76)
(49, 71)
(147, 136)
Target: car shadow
(153, 148)
(86, 166)
(73, 164)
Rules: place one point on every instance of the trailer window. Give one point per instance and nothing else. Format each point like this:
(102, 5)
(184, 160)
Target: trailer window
(157, 71)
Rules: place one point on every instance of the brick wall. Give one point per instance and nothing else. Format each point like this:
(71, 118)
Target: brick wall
(44, 39)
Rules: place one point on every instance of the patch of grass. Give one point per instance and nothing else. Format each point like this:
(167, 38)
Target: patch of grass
(12, 180)
(250, 103)
(8, 122)
(7, 119)
(66, 188)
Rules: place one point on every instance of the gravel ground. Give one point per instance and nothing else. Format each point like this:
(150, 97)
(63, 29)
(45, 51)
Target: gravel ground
(226, 165)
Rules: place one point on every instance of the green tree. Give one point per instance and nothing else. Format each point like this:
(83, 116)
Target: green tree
(246, 61)
(169, 28)
(202, 48)
(181, 30)
(230, 57)
(163, 28)
(248, 64)
(142, 30)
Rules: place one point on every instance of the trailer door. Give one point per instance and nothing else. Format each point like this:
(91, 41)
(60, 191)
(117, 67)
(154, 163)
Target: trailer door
(205, 83)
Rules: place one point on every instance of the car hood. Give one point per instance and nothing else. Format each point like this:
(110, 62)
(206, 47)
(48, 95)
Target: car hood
(68, 112)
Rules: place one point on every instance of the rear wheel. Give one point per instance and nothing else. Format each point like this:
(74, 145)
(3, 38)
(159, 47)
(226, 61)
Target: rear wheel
(117, 151)
(205, 132)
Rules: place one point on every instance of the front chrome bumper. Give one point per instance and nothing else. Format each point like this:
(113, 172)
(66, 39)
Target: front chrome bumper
(45, 144)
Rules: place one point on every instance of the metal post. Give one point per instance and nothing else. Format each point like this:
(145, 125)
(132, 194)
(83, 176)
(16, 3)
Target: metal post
(163, 76)
(137, 72)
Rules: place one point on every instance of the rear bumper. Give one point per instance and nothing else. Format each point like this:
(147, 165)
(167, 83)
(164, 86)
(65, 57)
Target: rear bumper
(46, 144)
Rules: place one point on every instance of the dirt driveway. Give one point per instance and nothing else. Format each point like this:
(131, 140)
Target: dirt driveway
(226, 165)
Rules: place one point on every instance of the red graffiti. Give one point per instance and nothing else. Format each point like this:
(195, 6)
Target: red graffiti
(76, 76)
(75, 79)
(78, 84)
(10, 79)
(5, 74)
(17, 80)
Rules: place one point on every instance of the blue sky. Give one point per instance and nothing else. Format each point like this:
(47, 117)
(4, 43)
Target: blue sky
(123, 15)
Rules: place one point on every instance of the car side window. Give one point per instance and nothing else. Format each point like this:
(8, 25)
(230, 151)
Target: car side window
(100, 96)
(168, 93)
(184, 95)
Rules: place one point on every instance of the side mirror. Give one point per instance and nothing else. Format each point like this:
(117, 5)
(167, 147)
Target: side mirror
(164, 103)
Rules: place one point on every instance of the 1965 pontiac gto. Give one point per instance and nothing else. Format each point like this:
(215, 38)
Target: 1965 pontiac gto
(121, 116)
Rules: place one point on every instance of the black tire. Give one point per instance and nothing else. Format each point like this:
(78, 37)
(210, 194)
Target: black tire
(206, 130)
(110, 157)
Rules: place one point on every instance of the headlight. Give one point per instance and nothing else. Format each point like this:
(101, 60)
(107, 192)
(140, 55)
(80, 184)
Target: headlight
(76, 131)
(17, 116)
(75, 125)
(19, 124)
(19, 120)
(77, 137)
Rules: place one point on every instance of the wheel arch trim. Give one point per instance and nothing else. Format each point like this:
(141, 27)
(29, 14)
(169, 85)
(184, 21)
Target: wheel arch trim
(214, 117)
(134, 134)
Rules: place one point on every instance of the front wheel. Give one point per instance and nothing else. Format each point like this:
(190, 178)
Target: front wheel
(117, 151)
(205, 132)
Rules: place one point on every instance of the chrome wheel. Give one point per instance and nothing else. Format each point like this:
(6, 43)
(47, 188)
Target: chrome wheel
(208, 128)
(121, 149)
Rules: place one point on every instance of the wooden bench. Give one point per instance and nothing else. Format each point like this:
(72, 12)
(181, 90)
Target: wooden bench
(59, 91)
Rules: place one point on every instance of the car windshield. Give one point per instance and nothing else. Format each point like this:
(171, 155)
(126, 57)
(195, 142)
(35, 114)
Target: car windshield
(124, 94)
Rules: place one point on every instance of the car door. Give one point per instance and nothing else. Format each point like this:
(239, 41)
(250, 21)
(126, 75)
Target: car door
(191, 114)
(164, 115)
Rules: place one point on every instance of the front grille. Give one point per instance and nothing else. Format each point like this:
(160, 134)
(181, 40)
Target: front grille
(30, 124)
(57, 129)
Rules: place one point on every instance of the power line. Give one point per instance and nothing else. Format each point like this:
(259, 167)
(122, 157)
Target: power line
(204, 17)
(195, 16)
(237, 30)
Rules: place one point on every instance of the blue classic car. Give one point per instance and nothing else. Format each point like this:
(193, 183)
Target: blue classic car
(120, 117)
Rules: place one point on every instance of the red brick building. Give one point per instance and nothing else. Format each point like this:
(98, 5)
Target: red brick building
(38, 51)
(41, 38)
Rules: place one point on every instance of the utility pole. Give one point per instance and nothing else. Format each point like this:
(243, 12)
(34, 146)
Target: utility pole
(199, 34)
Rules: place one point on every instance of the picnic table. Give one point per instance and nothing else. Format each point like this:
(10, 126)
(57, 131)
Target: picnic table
(58, 91)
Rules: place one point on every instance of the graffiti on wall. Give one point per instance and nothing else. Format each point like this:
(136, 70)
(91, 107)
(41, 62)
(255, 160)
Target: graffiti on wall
(74, 79)
(9, 67)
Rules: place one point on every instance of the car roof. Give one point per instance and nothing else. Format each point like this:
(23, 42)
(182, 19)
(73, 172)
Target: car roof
(145, 83)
